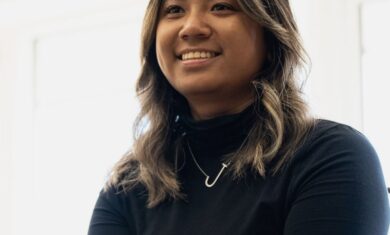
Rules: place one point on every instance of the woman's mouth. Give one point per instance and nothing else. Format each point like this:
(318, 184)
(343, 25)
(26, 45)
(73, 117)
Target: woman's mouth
(198, 55)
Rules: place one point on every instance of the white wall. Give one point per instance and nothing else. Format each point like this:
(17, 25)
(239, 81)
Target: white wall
(331, 34)
(67, 70)
(6, 87)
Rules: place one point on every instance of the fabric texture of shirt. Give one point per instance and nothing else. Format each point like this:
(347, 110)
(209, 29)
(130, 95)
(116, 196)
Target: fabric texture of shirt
(333, 185)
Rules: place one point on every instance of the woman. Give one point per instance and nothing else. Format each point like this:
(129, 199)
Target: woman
(224, 144)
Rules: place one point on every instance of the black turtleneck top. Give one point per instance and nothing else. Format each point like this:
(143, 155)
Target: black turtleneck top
(333, 185)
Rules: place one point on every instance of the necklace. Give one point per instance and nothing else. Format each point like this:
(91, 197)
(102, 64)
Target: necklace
(206, 182)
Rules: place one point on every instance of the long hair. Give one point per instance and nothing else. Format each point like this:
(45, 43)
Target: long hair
(280, 127)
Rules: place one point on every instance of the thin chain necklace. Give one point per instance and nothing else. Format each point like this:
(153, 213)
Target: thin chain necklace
(206, 182)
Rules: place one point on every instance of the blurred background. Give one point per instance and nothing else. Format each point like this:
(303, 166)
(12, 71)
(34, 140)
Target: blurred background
(67, 101)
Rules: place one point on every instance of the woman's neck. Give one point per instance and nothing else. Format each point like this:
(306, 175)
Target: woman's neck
(208, 109)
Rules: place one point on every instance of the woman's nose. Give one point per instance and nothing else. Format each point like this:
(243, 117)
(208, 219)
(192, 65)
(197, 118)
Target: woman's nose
(195, 27)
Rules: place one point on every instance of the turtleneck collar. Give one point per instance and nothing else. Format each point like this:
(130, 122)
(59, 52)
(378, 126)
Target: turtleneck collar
(224, 133)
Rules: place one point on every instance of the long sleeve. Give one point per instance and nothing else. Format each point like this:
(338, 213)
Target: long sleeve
(107, 217)
(342, 192)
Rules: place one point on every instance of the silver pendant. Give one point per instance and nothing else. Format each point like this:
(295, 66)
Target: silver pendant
(224, 166)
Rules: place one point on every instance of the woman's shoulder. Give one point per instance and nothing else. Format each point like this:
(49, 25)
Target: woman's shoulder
(114, 200)
(336, 149)
(323, 128)
(120, 195)
(330, 135)
(116, 210)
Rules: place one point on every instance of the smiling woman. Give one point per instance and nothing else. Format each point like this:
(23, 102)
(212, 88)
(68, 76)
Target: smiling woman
(230, 147)
(200, 50)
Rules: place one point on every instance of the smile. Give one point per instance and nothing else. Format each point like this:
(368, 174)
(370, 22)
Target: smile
(194, 55)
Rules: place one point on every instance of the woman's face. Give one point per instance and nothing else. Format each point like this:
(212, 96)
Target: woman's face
(209, 48)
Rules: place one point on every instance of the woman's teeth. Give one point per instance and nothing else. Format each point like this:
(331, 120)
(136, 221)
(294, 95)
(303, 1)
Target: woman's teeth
(198, 55)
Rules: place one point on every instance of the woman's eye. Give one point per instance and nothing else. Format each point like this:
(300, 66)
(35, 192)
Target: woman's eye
(223, 7)
(174, 9)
